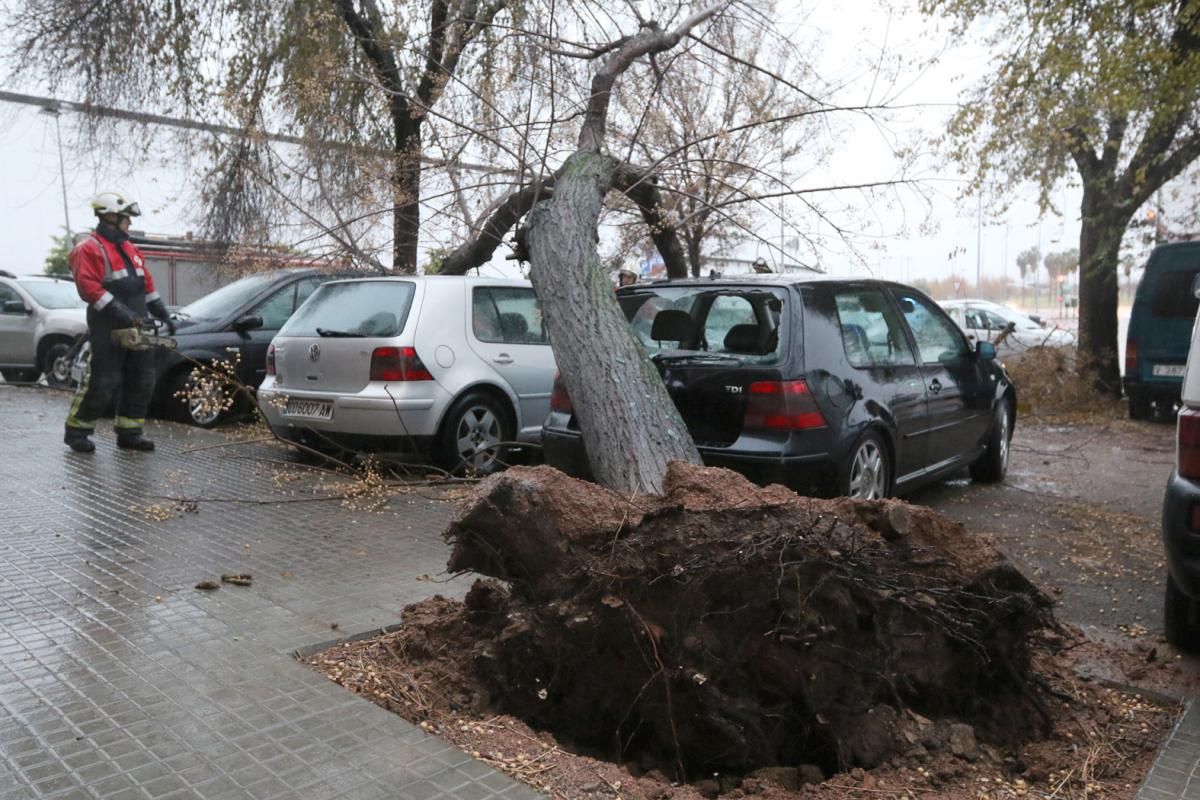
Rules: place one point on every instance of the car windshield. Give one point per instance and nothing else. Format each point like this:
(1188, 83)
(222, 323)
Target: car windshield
(54, 294)
(223, 301)
(353, 309)
(742, 322)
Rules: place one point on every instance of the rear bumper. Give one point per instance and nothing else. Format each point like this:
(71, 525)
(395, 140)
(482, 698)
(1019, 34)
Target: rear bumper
(408, 411)
(1181, 542)
(807, 474)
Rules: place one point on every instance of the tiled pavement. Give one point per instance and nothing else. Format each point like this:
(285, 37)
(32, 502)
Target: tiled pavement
(119, 680)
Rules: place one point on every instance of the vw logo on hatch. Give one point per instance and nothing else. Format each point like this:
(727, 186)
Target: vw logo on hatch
(314, 352)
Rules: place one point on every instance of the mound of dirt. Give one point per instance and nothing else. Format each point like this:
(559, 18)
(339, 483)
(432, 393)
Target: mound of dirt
(743, 639)
(724, 627)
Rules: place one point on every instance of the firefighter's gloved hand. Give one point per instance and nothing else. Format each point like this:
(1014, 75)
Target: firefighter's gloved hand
(159, 309)
(120, 314)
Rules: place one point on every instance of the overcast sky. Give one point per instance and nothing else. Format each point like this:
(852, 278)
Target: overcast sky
(900, 246)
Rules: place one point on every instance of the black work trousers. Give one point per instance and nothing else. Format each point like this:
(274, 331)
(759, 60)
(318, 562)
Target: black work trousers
(114, 379)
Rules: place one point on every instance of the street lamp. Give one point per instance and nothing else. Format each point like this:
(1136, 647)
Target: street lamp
(53, 111)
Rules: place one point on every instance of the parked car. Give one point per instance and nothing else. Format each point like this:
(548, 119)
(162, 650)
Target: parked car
(985, 321)
(1156, 346)
(1181, 511)
(855, 387)
(449, 367)
(233, 324)
(40, 320)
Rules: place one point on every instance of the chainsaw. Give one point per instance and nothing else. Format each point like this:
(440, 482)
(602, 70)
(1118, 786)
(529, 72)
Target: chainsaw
(143, 336)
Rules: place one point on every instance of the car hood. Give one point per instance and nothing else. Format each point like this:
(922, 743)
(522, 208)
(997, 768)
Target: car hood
(68, 320)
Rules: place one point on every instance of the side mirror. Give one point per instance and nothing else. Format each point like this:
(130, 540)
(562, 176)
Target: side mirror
(15, 307)
(248, 322)
(1037, 319)
(986, 351)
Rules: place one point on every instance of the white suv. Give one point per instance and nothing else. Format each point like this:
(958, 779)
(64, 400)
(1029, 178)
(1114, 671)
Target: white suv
(40, 319)
(447, 366)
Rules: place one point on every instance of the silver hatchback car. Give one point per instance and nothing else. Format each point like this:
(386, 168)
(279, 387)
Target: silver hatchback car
(449, 367)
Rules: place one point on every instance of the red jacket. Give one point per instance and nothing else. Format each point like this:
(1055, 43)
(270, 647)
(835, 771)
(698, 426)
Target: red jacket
(97, 266)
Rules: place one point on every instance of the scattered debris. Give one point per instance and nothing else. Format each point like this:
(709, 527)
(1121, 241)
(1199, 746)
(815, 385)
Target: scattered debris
(208, 586)
(237, 578)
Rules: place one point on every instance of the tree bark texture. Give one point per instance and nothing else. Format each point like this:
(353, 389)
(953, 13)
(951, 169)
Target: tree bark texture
(406, 184)
(1099, 254)
(630, 427)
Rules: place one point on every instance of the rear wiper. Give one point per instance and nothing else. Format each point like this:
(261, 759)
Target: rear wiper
(327, 333)
(695, 358)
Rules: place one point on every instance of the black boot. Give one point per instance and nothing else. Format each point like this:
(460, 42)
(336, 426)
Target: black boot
(134, 440)
(77, 439)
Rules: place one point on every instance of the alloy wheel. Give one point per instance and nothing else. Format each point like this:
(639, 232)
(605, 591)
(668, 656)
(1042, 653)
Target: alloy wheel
(868, 472)
(479, 431)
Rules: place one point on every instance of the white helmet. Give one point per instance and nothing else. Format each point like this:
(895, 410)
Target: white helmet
(115, 203)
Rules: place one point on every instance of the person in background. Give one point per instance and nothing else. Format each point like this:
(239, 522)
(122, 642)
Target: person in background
(111, 277)
(626, 277)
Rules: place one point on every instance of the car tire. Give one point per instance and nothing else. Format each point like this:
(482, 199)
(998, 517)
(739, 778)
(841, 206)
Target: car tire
(868, 471)
(182, 403)
(56, 365)
(476, 420)
(992, 466)
(1181, 618)
(1139, 404)
(20, 375)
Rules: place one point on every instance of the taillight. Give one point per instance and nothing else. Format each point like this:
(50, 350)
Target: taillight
(1131, 358)
(559, 399)
(782, 406)
(1187, 450)
(271, 360)
(397, 364)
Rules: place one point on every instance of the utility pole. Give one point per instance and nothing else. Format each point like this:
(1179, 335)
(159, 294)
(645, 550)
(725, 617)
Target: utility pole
(979, 247)
(1036, 266)
(53, 111)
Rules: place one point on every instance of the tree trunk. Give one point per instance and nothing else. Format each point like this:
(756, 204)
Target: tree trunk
(693, 252)
(631, 428)
(1099, 250)
(406, 194)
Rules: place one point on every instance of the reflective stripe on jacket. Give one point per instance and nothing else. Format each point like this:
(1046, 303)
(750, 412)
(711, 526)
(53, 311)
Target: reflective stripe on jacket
(100, 271)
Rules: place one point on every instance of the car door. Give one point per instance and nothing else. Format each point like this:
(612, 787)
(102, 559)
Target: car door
(957, 392)
(17, 346)
(506, 332)
(275, 310)
(878, 351)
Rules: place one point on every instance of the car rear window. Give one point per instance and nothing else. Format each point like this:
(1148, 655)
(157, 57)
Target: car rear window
(360, 308)
(745, 322)
(1173, 295)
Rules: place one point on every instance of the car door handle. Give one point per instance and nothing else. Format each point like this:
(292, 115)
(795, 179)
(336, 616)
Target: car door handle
(503, 359)
(935, 386)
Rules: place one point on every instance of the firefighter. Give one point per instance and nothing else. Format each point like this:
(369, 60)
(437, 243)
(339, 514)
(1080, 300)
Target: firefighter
(626, 277)
(111, 277)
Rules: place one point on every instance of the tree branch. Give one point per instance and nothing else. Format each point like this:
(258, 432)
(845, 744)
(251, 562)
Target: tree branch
(478, 250)
(651, 40)
(642, 188)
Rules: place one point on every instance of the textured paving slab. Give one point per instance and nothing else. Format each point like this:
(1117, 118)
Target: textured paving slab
(119, 680)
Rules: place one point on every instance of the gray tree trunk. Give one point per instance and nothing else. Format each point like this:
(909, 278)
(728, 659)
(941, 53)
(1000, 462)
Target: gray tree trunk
(630, 426)
(1099, 254)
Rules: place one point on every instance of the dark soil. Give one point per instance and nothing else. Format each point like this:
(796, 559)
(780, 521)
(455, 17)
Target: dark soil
(748, 641)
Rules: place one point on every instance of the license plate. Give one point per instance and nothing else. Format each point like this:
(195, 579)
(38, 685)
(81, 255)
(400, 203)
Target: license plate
(1168, 370)
(313, 409)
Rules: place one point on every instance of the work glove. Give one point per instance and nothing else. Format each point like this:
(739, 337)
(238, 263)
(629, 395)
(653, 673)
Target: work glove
(120, 314)
(159, 309)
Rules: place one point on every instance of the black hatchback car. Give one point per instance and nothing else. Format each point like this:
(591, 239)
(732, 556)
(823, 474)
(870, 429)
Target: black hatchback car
(235, 324)
(854, 387)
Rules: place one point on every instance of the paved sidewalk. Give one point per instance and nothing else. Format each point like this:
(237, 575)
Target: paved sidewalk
(119, 680)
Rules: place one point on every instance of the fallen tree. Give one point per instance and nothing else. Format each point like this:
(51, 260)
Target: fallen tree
(723, 627)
